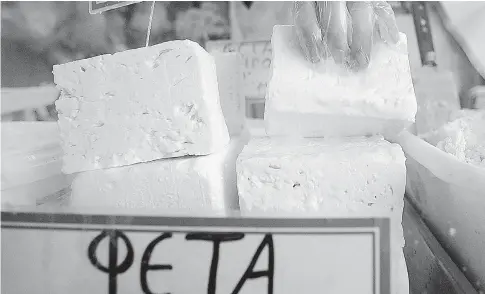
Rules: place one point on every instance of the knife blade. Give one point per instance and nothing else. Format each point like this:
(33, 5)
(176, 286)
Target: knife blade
(435, 88)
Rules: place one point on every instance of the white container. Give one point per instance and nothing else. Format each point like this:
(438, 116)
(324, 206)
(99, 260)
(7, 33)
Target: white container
(31, 164)
(451, 198)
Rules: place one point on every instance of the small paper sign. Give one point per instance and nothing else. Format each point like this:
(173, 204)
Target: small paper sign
(70, 253)
(96, 7)
(257, 57)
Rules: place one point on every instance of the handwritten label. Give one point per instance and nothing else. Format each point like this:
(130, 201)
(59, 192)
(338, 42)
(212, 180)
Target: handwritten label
(96, 7)
(69, 253)
(257, 63)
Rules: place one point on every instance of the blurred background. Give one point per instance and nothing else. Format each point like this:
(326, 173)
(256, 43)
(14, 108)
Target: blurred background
(37, 35)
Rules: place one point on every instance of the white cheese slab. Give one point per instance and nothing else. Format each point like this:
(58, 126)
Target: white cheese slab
(230, 78)
(324, 175)
(333, 177)
(326, 99)
(139, 105)
(185, 184)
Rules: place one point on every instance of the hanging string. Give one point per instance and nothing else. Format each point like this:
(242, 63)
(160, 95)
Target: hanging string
(150, 24)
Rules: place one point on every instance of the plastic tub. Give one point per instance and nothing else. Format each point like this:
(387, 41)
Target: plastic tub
(451, 198)
(31, 164)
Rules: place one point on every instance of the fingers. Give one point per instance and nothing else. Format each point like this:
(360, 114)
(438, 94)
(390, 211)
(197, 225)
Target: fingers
(322, 29)
(307, 30)
(332, 19)
(344, 31)
(386, 22)
(363, 20)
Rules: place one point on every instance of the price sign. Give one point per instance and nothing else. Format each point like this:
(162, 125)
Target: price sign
(71, 253)
(257, 63)
(102, 6)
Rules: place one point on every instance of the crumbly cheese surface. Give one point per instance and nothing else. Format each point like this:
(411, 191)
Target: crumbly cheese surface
(324, 175)
(183, 184)
(300, 93)
(463, 137)
(139, 105)
(229, 76)
(464, 112)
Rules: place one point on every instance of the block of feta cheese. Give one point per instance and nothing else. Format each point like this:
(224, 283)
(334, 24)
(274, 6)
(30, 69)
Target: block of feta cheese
(326, 99)
(463, 137)
(332, 177)
(183, 184)
(139, 105)
(230, 78)
(341, 175)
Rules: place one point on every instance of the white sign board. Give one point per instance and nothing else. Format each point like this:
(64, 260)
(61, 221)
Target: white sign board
(257, 58)
(102, 6)
(72, 253)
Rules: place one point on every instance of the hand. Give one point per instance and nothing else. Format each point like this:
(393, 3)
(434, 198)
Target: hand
(343, 30)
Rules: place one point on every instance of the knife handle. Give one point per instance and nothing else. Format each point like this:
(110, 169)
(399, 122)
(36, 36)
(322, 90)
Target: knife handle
(423, 34)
